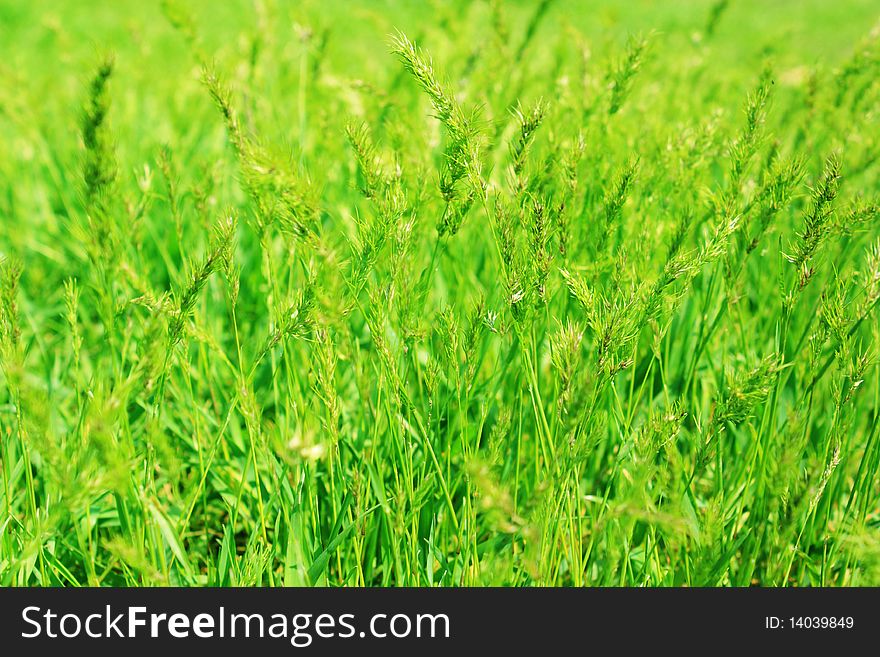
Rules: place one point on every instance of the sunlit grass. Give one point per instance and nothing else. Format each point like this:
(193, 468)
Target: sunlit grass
(533, 296)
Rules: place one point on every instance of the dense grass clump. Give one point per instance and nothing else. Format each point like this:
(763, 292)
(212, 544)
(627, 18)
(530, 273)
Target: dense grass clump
(466, 293)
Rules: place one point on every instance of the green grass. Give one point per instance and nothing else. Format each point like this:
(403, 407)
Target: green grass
(465, 293)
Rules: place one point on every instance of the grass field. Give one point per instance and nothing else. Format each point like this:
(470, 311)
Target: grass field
(444, 293)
